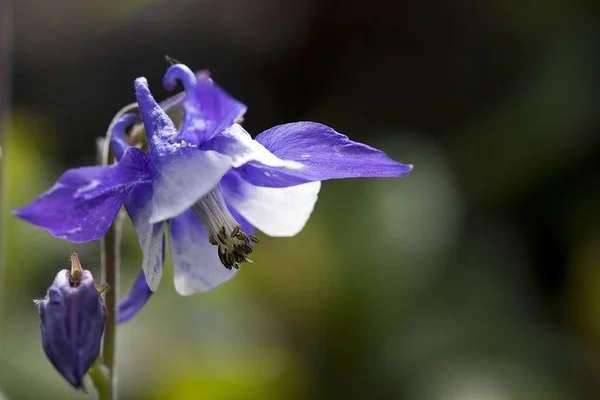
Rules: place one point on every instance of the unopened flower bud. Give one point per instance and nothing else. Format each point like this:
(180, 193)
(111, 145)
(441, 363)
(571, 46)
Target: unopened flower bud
(73, 316)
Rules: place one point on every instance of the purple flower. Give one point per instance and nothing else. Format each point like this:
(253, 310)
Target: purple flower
(208, 183)
(254, 193)
(73, 315)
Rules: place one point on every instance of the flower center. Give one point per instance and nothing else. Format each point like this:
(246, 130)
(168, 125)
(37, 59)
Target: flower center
(234, 246)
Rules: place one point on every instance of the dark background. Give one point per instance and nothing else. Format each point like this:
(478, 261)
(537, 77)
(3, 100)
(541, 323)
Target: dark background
(477, 276)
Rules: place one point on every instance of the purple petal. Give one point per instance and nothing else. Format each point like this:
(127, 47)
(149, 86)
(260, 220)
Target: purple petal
(138, 296)
(179, 72)
(326, 153)
(275, 211)
(181, 174)
(208, 109)
(151, 236)
(117, 134)
(182, 177)
(158, 125)
(84, 202)
(196, 265)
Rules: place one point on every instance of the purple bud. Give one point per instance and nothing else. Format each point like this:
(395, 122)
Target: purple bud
(73, 316)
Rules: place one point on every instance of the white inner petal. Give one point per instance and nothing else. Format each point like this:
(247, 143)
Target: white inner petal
(196, 265)
(247, 149)
(150, 236)
(152, 249)
(183, 179)
(275, 211)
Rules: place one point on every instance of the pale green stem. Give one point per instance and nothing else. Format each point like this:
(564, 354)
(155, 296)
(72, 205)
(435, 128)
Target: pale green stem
(110, 259)
(100, 376)
(5, 67)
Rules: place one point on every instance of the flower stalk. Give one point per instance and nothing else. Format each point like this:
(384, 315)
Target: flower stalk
(110, 271)
(100, 377)
(110, 263)
(5, 66)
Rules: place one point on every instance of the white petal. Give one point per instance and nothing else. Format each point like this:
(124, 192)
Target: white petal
(151, 236)
(152, 242)
(275, 211)
(182, 178)
(239, 145)
(196, 264)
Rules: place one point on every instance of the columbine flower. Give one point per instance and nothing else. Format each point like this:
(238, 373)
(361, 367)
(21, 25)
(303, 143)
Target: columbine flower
(278, 201)
(175, 178)
(210, 183)
(73, 315)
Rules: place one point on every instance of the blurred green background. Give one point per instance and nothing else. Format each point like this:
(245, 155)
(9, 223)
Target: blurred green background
(475, 277)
